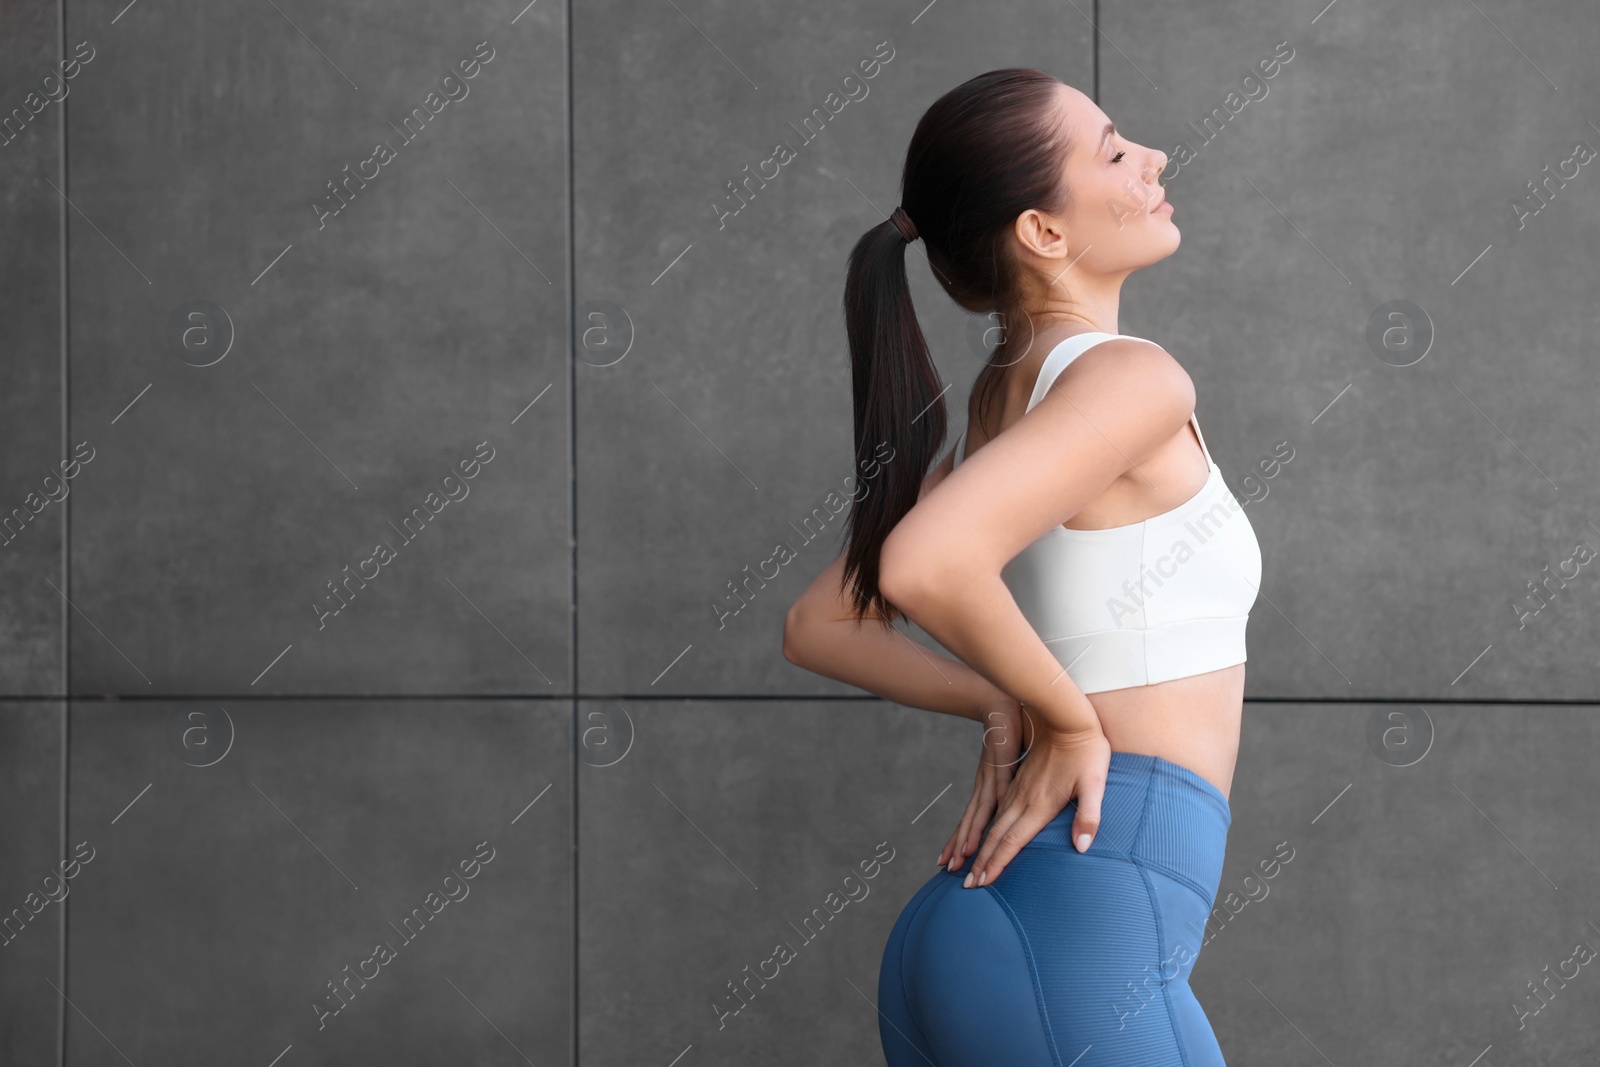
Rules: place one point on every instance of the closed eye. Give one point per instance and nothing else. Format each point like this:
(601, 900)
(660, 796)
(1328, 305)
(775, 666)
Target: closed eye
(1118, 157)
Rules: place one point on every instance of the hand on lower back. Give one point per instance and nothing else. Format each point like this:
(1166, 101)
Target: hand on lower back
(1059, 766)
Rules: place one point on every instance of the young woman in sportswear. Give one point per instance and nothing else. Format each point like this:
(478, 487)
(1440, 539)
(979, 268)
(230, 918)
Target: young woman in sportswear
(1081, 555)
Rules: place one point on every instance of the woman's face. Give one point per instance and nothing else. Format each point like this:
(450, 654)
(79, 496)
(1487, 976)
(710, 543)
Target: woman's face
(1118, 219)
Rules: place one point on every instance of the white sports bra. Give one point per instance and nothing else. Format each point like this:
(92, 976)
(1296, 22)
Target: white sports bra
(1130, 605)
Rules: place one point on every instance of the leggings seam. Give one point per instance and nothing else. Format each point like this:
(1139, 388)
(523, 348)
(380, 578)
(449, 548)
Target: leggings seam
(1106, 853)
(1181, 879)
(1155, 912)
(1161, 949)
(1033, 975)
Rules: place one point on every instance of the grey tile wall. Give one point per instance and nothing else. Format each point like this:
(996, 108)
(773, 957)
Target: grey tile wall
(34, 887)
(297, 501)
(32, 474)
(334, 881)
(260, 389)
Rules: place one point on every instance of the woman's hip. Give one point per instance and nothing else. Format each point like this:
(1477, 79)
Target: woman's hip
(1067, 951)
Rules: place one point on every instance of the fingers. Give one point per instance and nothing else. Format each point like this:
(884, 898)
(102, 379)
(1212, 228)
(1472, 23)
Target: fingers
(949, 848)
(953, 850)
(1013, 828)
(981, 817)
(1007, 832)
(958, 853)
(971, 818)
(1087, 822)
(969, 832)
(973, 835)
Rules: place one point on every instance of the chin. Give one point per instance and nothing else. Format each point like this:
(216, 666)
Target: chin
(1169, 244)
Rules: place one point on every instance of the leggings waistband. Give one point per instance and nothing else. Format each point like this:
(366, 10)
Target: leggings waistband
(1156, 812)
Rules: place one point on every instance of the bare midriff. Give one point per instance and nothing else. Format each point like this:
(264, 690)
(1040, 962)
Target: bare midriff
(1193, 722)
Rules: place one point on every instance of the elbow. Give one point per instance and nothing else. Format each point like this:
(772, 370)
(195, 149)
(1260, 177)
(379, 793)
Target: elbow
(910, 578)
(903, 574)
(896, 587)
(793, 631)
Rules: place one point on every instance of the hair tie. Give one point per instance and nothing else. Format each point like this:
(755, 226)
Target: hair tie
(903, 223)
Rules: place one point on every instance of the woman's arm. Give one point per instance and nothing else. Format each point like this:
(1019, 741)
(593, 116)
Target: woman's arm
(821, 635)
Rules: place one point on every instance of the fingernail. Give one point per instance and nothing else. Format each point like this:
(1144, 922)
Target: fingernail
(953, 864)
(1083, 842)
(983, 877)
(968, 883)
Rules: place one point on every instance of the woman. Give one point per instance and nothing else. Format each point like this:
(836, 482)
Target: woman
(1081, 555)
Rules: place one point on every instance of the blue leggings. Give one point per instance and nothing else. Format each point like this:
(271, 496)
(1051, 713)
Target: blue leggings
(1068, 958)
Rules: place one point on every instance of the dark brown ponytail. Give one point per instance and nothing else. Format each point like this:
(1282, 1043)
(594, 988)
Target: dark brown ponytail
(982, 154)
(896, 389)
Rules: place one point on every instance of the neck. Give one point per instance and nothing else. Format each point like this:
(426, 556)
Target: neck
(1078, 302)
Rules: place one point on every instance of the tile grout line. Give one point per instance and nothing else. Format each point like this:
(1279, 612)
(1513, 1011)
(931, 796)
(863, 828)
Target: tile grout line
(65, 685)
(572, 516)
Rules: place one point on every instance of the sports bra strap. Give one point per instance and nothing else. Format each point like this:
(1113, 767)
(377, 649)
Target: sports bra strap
(1053, 366)
(1063, 354)
(1196, 424)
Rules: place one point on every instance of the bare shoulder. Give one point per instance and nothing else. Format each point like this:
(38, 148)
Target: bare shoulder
(1128, 371)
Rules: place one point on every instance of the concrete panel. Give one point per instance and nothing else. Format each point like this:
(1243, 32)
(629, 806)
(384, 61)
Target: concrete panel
(715, 435)
(1409, 868)
(33, 486)
(33, 890)
(356, 346)
(1435, 475)
(243, 855)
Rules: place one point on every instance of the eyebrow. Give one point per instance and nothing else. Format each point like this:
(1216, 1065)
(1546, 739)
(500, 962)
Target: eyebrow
(1111, 127)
